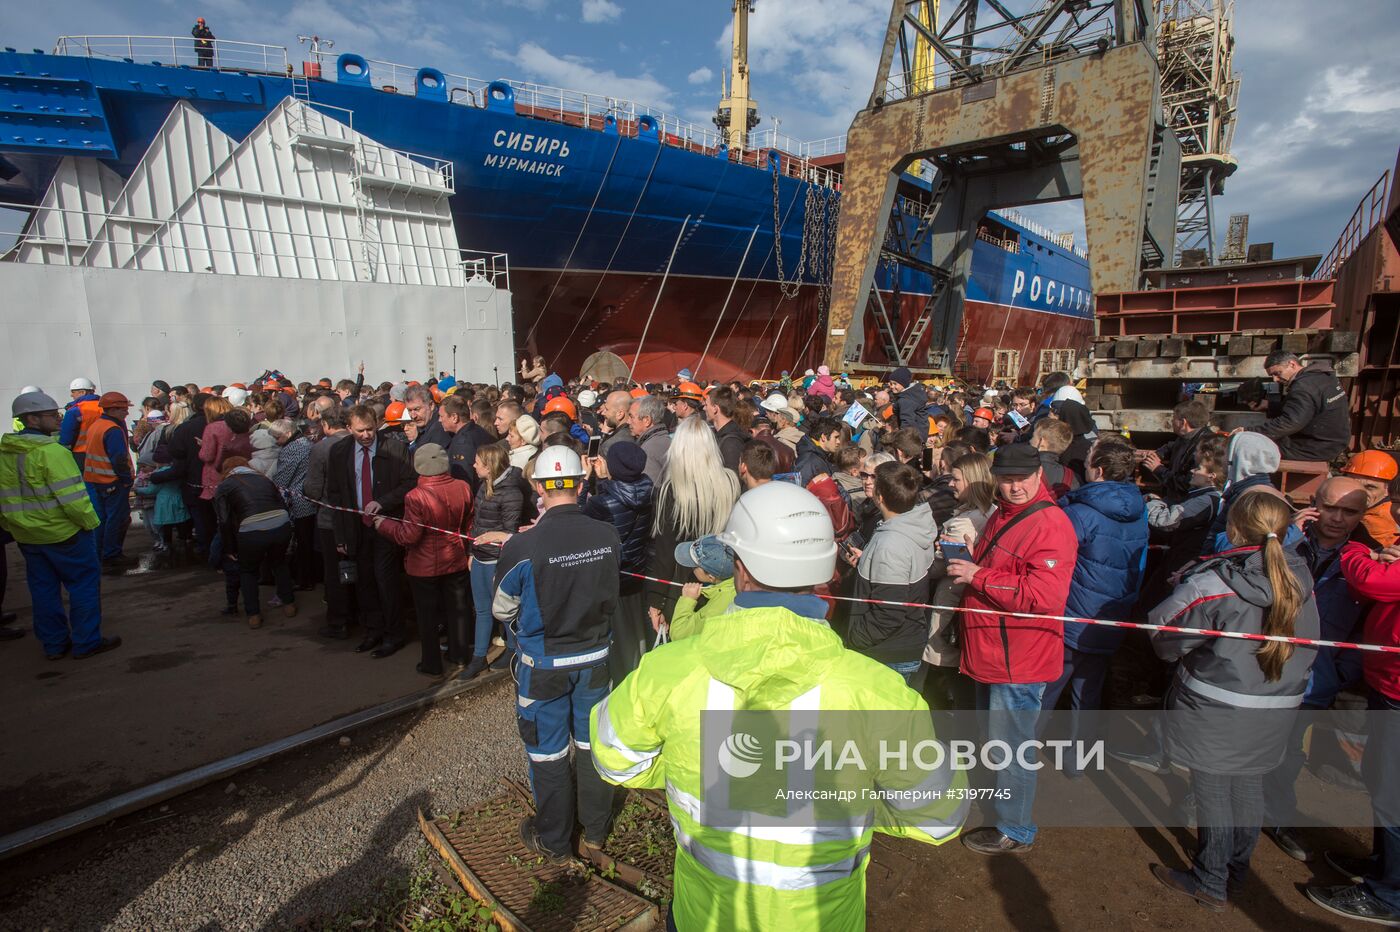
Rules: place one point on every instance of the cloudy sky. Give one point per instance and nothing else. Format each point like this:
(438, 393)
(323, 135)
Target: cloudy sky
(1319, 109)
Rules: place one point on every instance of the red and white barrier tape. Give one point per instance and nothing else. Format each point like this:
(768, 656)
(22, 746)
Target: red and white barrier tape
(1130, 625)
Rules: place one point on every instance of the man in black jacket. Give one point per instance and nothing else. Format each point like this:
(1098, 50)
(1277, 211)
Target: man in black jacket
(719, 408)
(814, 451)
(186, 469)
(910, 401)
(455, 416)
(1172, 463)
(1313, 423)
(372, 474)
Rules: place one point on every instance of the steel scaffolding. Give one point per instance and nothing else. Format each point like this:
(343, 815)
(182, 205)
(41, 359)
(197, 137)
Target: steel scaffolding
(1200, 90)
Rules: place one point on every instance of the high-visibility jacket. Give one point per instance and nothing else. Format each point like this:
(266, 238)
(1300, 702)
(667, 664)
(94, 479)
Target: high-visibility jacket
(735, 870)
(88, 414)
(98, 467)
(42, 496)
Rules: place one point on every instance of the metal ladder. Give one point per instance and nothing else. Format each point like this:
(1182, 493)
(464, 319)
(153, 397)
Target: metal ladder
(371, 250)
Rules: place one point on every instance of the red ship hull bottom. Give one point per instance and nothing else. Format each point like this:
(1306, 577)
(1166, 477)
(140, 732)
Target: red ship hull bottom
(568, 317)
(992, 327)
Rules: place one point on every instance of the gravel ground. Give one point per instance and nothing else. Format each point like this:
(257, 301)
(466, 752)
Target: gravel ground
(305, 837)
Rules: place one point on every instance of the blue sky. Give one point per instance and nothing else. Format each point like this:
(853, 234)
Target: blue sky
(1319, 109)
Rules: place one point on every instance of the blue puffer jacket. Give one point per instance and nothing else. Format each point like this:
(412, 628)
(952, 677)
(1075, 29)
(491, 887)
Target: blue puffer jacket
(1110, 522)
(627, 507)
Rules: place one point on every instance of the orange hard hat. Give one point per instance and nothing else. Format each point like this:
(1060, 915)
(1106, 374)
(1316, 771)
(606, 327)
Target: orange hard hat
(118, 400)
(207, 390)
(238, 385)
(561, 403)
(1368, 464)
(396, 413)
(639, 392)
(199, 19)
(437, 393)
(690, 390)
(987, 413)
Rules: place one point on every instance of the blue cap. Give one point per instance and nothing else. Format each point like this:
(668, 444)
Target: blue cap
(709, 554)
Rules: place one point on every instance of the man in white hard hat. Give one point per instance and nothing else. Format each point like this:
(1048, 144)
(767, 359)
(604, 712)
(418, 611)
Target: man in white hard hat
(44, 505)
(736, 867)
(79, 415)
(557, 591)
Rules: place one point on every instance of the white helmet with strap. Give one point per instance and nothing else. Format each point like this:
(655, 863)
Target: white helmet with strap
(783, 535)
(558, 467)
(81, 384)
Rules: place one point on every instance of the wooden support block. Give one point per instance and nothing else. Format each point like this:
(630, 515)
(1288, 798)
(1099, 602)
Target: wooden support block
(1173, 347)
(1148, 349)
(1125, 349)
(1296, 343)
(1263, 346)
(1207, 399)
(1240, 346)
(1111, 402)
(1343, 341)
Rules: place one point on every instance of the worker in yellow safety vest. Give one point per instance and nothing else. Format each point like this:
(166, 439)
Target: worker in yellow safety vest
(740, 865)
(45, 507)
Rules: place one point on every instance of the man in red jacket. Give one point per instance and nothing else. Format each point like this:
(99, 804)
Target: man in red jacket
(1374, 894)
(1023, 563)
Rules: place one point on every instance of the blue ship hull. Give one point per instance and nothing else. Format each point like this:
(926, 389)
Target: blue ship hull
(588, 216)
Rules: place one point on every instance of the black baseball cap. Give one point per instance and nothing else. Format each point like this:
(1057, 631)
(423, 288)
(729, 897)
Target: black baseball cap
(1018, 459)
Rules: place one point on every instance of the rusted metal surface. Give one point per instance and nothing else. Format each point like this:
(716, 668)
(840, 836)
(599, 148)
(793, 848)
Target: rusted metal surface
(1107, 101)
(483, 850)
(1283, 305)
(1203, 368)
(1159, 421)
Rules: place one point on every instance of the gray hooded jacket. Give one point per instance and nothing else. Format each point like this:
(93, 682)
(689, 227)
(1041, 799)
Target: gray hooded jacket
(1223, 716)
(894, 567)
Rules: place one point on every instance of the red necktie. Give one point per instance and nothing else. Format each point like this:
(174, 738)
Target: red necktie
(366, 484)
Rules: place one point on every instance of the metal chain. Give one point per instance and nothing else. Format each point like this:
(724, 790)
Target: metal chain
(789, 289)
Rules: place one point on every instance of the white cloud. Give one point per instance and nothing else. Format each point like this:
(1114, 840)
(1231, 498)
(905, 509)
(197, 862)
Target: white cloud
(600, 11)
(576, 73)
(701, 76)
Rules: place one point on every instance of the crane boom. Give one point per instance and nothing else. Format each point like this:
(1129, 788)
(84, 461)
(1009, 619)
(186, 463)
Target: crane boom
(736, 99)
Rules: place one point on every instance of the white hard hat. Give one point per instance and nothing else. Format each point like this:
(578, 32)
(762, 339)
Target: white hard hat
(777, 403)
(81, 383)
(35, 402)
(783, 535)
(236, 396)
(30, 388)
(558, 462)
(588, 398)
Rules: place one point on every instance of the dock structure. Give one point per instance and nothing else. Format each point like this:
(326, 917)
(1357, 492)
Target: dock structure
(1048, 105)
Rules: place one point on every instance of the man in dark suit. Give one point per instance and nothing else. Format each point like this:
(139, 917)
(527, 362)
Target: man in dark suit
(372, 474)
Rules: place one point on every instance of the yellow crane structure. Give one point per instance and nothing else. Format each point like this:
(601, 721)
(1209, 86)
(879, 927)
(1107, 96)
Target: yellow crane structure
(738, 112)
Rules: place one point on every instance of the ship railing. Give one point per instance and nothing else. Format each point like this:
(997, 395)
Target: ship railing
(831, 145)
(580, 108)
(1370, 211)
(65, 236)
(1063, 240)
(228, 54)
(412, 168)
(1010, 245)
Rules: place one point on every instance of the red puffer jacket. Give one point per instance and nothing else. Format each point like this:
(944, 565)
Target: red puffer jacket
(1379, 583)
(1027, 570)
(440, 501)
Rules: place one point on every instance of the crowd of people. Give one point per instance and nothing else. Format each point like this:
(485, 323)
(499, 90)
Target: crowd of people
(899, 542)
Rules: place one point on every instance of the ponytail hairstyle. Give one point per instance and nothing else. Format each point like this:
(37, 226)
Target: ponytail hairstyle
(1262, 519)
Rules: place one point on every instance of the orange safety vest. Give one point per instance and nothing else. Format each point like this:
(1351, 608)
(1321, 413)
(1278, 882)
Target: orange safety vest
(90, 411)
(98, 469)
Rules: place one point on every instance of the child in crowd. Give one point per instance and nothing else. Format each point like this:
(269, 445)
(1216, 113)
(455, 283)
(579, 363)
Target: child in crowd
(713, 565)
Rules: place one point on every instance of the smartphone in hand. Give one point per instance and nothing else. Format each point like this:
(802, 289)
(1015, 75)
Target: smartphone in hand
(594, 443)
(954, 551)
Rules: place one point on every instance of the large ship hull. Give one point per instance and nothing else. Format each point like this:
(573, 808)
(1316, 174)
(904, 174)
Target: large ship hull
(592, 213)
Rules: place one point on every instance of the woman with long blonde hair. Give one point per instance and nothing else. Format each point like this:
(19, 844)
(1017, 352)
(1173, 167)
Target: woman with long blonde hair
(1234, 701)
(696, 495)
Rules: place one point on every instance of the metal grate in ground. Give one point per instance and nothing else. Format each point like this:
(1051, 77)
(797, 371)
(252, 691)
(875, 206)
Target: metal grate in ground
(483, 850)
